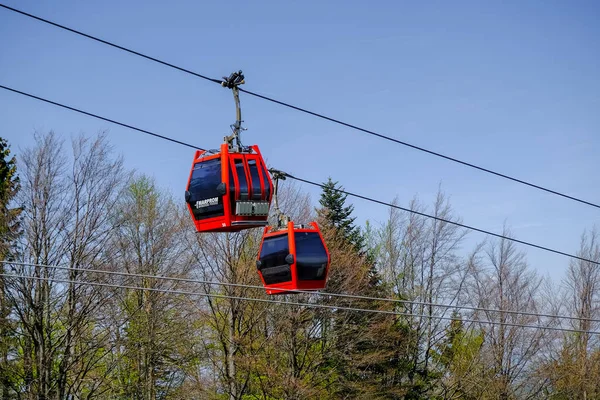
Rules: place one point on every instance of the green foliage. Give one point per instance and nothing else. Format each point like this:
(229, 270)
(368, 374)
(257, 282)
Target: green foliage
(165, 344)
(9, 186)
(368, 352)
(9, 231)
(459, 359)
(575, 373)
(461, 346)
(339, 215)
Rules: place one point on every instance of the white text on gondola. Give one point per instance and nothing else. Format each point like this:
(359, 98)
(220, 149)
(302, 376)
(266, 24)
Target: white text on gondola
(207, 202)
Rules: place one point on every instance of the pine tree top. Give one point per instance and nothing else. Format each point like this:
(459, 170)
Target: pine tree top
(338, 214)
(9, 181)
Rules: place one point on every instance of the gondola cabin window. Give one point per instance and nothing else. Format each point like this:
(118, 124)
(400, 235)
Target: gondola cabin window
(274, 267)
(205, 198)
(241, 175)
(255, 180)
(311, 257)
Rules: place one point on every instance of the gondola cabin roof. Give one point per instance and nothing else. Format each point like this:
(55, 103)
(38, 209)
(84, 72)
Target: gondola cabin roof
(228, 191)
(293, 258)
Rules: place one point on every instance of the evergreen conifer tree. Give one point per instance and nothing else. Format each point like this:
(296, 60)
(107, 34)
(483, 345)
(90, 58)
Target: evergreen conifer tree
(339, 215)
(9, 231)
(364, 343)
(9, 186)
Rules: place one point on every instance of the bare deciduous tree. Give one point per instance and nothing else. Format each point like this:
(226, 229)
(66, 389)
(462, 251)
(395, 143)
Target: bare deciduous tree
(152, 328)
(44, 197)
(504, 281)
(95, 185)
(418, 258)
(573, 369)
(65, 222)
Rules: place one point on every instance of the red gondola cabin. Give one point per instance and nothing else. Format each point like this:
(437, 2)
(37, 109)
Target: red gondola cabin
(293, 258)
(229, 191)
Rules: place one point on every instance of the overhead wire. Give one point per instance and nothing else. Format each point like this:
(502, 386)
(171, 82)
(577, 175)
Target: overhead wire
(320, 185)
(422, 149)
(497, 235)
(302, 304)
(304, 110)
(106, 42)
(296, 291)
(112, 121)
(469, 227)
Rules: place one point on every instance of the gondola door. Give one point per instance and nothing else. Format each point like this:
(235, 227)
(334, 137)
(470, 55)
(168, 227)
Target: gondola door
(206, 194)
(293, 258)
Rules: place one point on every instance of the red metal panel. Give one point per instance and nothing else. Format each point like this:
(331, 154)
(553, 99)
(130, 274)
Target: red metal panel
(229, 222)
(294, 284)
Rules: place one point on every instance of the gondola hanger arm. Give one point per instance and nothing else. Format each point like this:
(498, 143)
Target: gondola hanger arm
(232, 82)
(282, 219)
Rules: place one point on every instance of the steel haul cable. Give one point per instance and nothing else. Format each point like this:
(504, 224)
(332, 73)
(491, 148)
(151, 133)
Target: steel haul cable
(497, 235)
(303, 110)
(339, 295)
(137, 53)
(310, 305)
(112, 121)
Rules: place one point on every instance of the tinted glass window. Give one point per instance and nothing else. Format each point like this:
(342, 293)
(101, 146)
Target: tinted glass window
(205, 200)
(311, 257)
(272, 257)
(274, 250)
(241, 174)
(267, 186)
(256, 189)
(231, 191)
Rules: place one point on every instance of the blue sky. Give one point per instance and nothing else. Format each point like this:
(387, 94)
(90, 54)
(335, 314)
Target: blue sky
(512, 86)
